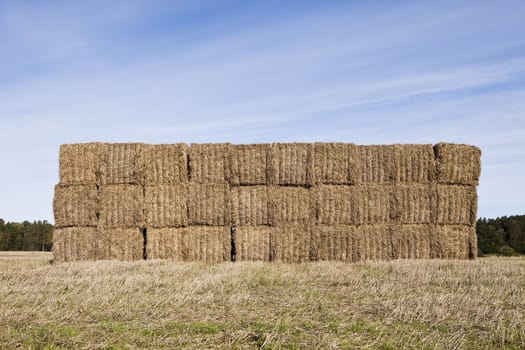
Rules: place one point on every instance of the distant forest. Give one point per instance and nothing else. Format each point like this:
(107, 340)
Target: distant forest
(501, 236)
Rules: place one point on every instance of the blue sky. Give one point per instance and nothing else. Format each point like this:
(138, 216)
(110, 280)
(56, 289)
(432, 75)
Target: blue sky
(154, 71)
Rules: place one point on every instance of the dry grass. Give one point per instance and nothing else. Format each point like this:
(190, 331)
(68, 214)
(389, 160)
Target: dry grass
(414, 304)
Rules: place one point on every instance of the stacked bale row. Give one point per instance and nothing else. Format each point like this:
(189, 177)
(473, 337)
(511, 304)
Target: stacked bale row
(288, 202)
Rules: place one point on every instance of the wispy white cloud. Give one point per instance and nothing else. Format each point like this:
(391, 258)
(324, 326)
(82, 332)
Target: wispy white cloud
(416, 72)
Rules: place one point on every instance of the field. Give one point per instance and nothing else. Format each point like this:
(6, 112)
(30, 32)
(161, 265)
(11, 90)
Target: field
(160, 304)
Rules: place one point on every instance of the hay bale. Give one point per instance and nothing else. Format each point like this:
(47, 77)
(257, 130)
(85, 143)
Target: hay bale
(250, 206)
(331, 242)
(454, 242)
(121, 206)
(253, 243)
(335, 163)
(249, 164)
(209, 204)
(290, 205)
(75, 205)
(80, 164)
(165, 243)
(291, 164)
(413, 163)
(121, 244)
(350, 243)
(205, 243)
(164, 164)
(75, 243)
(166, 205)
(209, 163)
(457, 164)
(411, 241)
(352, 205)
(290, 243)
(457, 204)
(121, 164)
(412, 203)
(375, 164)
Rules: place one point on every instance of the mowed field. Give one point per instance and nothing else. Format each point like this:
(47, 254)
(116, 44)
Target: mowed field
(161, 304)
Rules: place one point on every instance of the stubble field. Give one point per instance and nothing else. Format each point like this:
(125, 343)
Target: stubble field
(419, 304)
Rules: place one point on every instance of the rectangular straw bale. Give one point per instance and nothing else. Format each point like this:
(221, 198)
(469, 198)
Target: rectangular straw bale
(75, 243)
(335, 163)
(121, 244)
(454, 242)
(209, 204)
(121, 164)
(290, 205)
(290, 243)
(75, 205)
(457, 164)
(121, 206)
(166, 205)
(352, 205)
(350, 243)
(252, 243)
(291, 164)
(250, 205)
(210, 163)
(164, 164)
(249, 164)
(412, 203)
(414, 163)
(205, 243)
(457, 204)
(331, 242)
(411, 241)
(375, 163)
(80, 163)
(165, 243)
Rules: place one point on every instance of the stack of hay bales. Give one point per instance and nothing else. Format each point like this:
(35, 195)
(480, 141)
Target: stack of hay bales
(288, 202)
(98, 203)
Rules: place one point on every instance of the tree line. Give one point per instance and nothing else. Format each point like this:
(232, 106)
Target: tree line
(502, 236)
(36, 235)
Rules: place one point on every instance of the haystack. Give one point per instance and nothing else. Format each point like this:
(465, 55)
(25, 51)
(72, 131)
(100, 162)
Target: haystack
(75, 205)
(165, 243)
(290, 243)
(205, 243)
(454, 242)
(352, 205)
(411, 241)
(456, 204)
(249, 164)
(351, 243)
(80, 164)
(75, 243)
(164, 164)
(335, 163)
(291, 164)
(121, 206)
(252, 243)
(121, 164)
(412, 203)
(121, 244)
(166, 205)
(375, 164)
(457, 164)
(250, 205)
(413, 163)
(210, 163)
(290, 205)
(209, 204)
